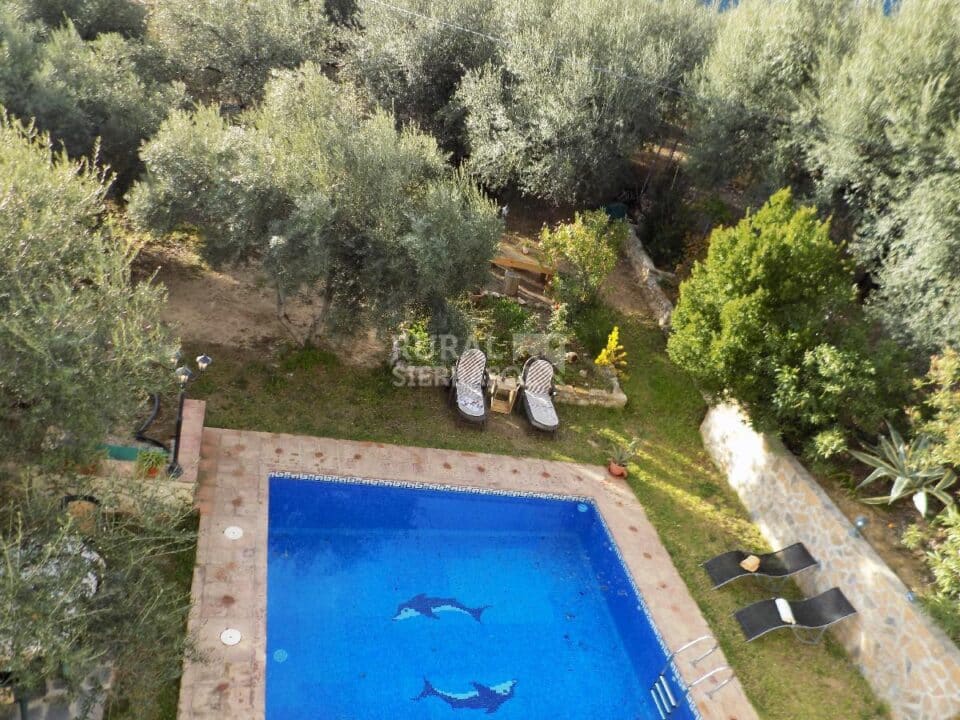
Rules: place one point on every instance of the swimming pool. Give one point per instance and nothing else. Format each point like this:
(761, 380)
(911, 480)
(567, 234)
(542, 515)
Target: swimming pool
(389, 601)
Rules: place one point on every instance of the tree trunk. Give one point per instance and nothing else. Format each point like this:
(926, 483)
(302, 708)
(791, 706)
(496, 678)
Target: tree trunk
(321, 314)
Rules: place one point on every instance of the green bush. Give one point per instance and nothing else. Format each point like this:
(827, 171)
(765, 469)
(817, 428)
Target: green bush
(135, 618)
(943, 407)
(585, 253)
(496, 321)
(769, 319)
(592, 326)
(941, 544)
(417, 346)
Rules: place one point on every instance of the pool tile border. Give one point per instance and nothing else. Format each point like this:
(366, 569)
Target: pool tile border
(229, 583)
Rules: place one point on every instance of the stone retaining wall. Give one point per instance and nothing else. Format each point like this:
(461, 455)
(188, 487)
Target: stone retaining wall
(908, 660)
(612, 398)
(646, 273)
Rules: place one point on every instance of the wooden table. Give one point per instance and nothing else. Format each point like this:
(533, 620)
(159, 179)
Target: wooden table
(510, 257)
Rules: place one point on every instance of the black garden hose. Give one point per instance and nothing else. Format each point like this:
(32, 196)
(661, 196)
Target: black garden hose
(139, 433)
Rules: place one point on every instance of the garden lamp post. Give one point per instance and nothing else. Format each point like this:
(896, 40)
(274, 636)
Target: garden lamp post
(183, 375)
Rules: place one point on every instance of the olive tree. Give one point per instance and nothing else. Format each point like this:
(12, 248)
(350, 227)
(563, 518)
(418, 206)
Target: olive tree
(889, 159)
(87, 94)
(748, 112)
(919, 295)
(80, 343)
(225, 50)
(92, 593)
(573, 95)
(412, 62)
(857, 109)
(338, 205)
(90, 17)
(883, 115)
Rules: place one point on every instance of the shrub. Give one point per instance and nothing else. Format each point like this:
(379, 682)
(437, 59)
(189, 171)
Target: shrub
(943, 404)
(826, 444)
(585, 252)
(92, 590)
(417, 346)
(613, 355)
(559, 323)
(941, 543)
(769, 319)
(830, 388)
(498, 322)
(592, 324)
(150, 462)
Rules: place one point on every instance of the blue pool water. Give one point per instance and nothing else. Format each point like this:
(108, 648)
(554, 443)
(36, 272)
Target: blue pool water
(472, 602)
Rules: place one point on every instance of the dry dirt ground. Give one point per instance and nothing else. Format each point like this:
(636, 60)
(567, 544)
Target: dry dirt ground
(236, 307)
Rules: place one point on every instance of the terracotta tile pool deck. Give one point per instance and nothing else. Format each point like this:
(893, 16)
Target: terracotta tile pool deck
(230, 577)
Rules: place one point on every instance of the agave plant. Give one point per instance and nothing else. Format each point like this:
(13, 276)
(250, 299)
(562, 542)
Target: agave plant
(910, 467)
(622, 453)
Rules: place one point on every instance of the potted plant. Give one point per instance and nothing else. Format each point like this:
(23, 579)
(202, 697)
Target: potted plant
(620, 455)
(150, 462)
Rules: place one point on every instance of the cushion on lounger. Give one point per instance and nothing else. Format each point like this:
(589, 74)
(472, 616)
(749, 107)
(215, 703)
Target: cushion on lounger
(542, 409)
(750, 563)
(539, 376)
(470, 400)
(786, 612)
(470, 368)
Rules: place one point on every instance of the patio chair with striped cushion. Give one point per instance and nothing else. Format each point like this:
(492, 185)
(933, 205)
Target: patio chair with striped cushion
(536, 385)
(468, 383)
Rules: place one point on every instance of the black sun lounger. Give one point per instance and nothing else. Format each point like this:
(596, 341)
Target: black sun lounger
(780, 564)
(468, 385)
(816, 614)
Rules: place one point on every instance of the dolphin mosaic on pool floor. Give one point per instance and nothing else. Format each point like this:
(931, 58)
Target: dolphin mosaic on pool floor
(230, 577)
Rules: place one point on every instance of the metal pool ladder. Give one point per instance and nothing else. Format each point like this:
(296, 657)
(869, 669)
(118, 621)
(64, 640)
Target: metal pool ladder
(661, 693)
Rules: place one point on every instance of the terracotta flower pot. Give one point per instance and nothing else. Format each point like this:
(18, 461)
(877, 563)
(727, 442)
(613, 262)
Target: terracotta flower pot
(153, 472)
(616, 470)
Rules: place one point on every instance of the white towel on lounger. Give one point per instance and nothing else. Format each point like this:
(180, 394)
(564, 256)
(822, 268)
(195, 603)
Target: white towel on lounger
(786, 612)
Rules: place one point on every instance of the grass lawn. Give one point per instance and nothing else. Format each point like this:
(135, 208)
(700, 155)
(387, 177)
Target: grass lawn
(697, 515)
